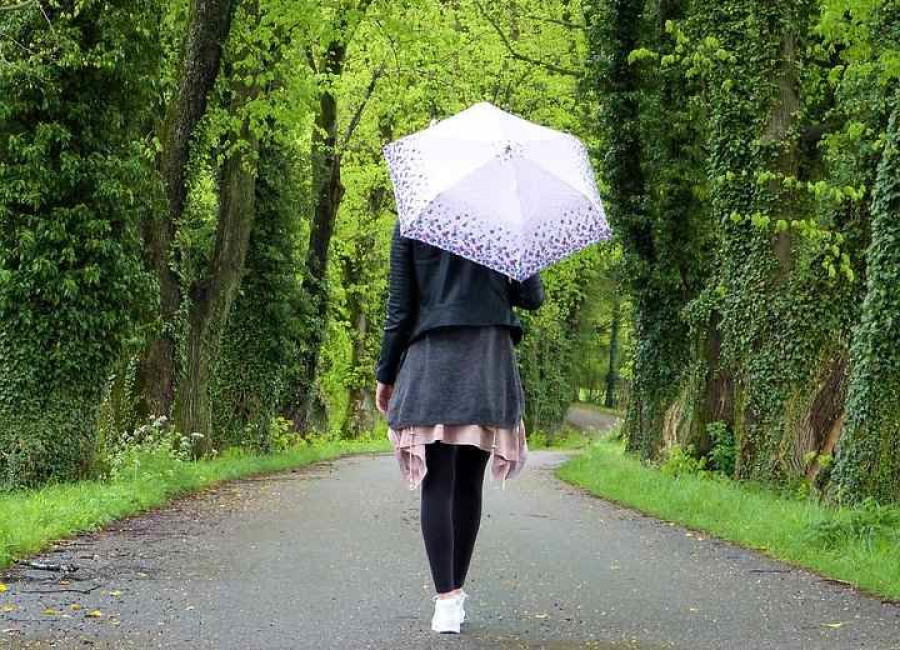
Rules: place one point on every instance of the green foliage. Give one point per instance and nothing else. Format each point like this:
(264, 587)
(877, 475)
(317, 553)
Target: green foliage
(723, 452)
(551, 346)
(869, 453)
(866, 525)
(74, 183)
(774, 327)
(266, 327)
(744, 153)
(151, 443)
(647, 133)
(565, 437)
(682, 461)
(743, 139)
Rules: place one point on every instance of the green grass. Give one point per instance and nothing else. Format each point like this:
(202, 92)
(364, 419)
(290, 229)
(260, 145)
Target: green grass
(854, 546)
(31, 520)
(567, 438)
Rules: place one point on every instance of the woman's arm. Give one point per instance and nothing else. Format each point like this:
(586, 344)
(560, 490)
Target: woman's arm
(402, 308)
(527, 294)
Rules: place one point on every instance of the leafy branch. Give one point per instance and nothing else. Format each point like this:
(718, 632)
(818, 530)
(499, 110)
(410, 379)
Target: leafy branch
(21, 5)
(549, 65)
(362, 106)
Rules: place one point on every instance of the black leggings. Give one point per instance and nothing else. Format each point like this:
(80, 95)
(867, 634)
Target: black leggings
(451, 509)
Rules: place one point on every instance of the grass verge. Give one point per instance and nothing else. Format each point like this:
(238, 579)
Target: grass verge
(860, 547)
(30, 520)
(567, 438)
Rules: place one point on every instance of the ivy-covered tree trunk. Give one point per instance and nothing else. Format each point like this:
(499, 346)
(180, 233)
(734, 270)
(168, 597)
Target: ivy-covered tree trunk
(208, 29)
(778, 342)
(357, 271)
(328, 191)
(612, 374)
(72, 191)
(614, 33)
(261, 344)
(869, 450)
(211, 296)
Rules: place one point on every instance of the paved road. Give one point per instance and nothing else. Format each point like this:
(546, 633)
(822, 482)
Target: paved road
(330, 557)
(589, 419)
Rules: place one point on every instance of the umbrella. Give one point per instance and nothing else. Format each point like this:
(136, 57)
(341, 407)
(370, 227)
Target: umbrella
(499, 190)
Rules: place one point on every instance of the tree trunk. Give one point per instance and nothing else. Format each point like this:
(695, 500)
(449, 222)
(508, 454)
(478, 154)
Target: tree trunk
(211, 297)
(818, 432)
(362, 400)
(781, 121)
(328, 191)
(613, 33)
(868, 451)
(209, 25)
(612, 375)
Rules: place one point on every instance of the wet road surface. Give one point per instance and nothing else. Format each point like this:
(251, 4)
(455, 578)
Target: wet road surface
(330, 556)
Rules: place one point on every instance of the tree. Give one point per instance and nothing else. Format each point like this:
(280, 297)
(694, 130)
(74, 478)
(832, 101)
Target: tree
(869, 453)
(75, 90)
(327, 187)
(209, 24)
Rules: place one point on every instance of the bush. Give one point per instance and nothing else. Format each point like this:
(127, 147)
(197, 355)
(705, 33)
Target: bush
(538, 440)
(868, 524)
(682, 460)
(150, 443)
(75, 181)
(724, 451)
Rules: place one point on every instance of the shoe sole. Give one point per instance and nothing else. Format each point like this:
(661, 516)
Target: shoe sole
(446, 631)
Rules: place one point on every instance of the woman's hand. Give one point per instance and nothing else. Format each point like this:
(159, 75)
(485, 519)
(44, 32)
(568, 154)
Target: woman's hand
(383, 394)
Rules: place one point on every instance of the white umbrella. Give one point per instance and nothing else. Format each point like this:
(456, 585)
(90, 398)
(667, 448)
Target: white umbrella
(497, 189)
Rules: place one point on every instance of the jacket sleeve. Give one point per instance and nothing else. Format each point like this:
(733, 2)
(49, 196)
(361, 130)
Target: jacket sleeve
(527, 294)
(402, 308)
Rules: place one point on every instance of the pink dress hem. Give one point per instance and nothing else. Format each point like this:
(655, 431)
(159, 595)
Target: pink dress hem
(508, 447)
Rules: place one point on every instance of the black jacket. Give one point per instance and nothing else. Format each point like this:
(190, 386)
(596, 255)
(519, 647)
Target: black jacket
(430, 287)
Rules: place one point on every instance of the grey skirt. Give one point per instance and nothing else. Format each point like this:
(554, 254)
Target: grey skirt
(458, 375)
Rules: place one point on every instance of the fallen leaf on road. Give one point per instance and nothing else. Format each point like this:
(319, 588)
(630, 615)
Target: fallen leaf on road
(3, 587)
(8, 608)
(115, 593)
(834, 626)
(94, 613)
(75, 606)
(50, 612)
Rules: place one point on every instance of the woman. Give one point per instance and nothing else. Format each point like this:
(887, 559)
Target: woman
(449, 386)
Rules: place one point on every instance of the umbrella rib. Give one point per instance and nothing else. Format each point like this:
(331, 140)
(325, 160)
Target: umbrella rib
(561, 179)
(515, 176)
(473, 172)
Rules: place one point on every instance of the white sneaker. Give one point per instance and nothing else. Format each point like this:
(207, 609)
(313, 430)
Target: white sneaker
(446, 615)
(461, 598)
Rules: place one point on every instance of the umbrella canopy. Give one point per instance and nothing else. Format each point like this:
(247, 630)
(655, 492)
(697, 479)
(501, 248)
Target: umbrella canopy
(497, 189)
